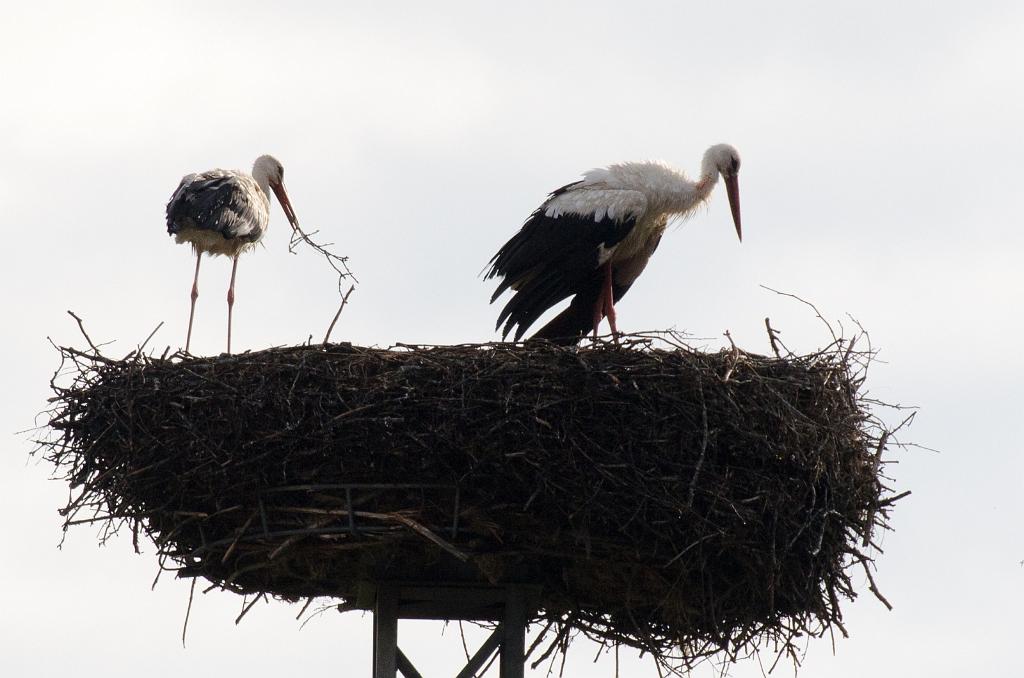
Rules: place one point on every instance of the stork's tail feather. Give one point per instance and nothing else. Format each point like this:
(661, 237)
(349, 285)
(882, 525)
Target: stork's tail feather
(572, 324)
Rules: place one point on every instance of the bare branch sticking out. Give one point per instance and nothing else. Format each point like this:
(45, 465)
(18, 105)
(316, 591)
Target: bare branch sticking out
(338, 263)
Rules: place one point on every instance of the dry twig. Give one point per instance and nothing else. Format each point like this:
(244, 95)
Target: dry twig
(341, 307)
(339, 264)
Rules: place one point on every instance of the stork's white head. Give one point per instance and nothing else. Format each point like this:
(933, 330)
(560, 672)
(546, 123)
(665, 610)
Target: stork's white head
(723, 159)
(268, 171)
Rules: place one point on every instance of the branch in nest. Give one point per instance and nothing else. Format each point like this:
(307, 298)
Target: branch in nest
(338, 263)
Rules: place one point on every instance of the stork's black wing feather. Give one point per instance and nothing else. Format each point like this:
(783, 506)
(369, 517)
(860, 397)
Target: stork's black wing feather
(572, 324)
(550, 259)
(214, 201)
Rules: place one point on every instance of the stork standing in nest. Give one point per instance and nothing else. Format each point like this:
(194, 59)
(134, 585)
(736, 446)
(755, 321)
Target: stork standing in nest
(225, 212)
(591, 240)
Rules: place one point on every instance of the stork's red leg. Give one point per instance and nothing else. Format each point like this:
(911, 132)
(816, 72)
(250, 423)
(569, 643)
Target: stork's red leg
(195, 295)
(231, 298)
(601, 303)
(610, 314)
(598, 313)
(609, 301)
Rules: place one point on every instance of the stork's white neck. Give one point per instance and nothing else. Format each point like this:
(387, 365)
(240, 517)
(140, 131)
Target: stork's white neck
(262, 177)
(264, 169)
(708, 180)
(683, 195)
(666, 191)
(688, 194)
(709, 169)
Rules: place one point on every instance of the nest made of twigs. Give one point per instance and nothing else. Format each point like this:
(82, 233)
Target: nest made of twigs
(673, 500)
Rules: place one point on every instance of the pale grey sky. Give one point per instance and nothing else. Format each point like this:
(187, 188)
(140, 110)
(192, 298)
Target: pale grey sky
(881, 150)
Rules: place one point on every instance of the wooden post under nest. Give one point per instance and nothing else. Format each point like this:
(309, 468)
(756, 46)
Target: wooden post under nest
(506, 605)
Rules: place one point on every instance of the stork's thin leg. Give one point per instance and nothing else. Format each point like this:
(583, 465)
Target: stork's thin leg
(604, 304)
(231, 298)
(610, 314)
(598, 310)
(598, 313)
(195, 295)
(609, 301)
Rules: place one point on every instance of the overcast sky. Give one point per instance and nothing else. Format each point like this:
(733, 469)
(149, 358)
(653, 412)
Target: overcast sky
(881, 176)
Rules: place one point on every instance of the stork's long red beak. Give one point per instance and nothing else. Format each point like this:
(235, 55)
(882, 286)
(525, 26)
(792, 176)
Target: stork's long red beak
(732, 188)
(286, 204)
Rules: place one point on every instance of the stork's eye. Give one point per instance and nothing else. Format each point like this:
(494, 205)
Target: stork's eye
(735, 165)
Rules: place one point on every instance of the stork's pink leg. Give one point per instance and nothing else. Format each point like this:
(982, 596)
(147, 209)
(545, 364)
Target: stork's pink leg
(610, 314)
(231, 298)
(195, 295)
(609, 301)
(600, 303)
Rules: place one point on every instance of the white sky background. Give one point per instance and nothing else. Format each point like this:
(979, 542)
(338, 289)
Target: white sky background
(881, 175)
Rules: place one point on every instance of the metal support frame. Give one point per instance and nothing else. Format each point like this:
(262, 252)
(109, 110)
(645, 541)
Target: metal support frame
(506, 605)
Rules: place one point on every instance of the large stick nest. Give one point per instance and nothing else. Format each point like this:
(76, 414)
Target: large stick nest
(673, 500)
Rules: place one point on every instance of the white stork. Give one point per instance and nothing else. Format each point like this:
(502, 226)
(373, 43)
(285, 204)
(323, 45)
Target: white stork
(591, 239)
(225, 212)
